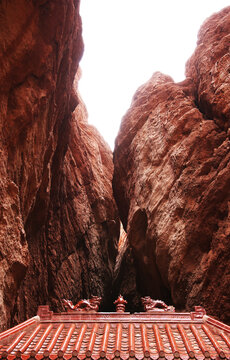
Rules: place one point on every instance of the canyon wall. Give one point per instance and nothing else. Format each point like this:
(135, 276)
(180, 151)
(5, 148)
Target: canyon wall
(58, 220)
(172, 181)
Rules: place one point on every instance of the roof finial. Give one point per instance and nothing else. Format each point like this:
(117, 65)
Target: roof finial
(120, 304)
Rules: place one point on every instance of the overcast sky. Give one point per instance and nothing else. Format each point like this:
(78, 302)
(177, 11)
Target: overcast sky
(126, 41)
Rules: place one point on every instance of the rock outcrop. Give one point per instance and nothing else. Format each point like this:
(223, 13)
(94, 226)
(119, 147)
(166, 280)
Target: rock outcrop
(58, 219)
(172, 179)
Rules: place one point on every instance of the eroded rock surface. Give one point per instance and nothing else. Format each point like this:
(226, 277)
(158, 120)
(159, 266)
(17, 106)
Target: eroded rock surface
(58, 220)
(172, 178)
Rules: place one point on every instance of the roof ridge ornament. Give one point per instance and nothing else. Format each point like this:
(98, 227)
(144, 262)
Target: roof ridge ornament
(120, 304)
(198, 313)
(44, 312)
(155, 305)
(84, 305)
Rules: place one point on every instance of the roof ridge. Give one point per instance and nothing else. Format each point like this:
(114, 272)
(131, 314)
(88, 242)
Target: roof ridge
(18, 327)
(212, 321)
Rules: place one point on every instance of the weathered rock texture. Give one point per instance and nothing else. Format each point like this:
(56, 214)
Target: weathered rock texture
(58, 220)
(172, 179)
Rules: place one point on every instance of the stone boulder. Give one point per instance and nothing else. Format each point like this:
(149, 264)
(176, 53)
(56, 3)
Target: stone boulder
(172, 179)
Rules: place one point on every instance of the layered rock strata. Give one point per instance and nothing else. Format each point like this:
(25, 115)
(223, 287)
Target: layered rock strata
(58, 219)
(172, 179)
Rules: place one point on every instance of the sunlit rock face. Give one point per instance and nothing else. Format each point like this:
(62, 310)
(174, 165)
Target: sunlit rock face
(58, 219)
(172, 179)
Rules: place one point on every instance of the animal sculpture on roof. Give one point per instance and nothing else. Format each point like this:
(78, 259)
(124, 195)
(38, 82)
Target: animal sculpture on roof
(155, 305)
(84, 305)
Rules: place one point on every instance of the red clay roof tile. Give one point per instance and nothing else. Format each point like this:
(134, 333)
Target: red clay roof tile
(152, 335)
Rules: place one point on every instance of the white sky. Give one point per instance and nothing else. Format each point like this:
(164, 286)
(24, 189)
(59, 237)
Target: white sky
(126, 41)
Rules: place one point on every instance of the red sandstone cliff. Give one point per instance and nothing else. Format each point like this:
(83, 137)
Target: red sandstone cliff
(172, 180)
(58, 219)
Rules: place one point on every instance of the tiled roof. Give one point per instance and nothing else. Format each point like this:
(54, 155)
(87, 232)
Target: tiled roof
(82, 335)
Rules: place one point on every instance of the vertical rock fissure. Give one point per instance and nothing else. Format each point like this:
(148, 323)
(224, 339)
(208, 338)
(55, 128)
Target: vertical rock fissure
(137, 274)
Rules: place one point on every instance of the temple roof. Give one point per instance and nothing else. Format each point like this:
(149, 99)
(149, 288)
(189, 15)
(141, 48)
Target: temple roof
(155, 334)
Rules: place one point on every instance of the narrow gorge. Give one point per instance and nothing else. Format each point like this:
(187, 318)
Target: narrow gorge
(61, 205)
